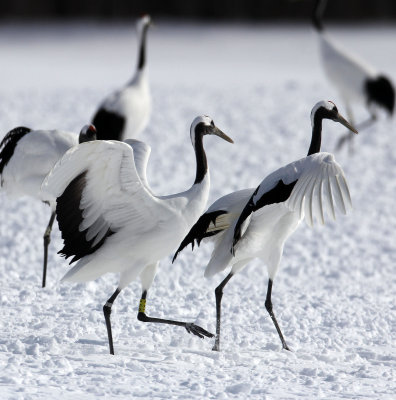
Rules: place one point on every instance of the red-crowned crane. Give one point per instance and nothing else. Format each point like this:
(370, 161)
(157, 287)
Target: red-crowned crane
(355, 80)
(255, 223)
(111, 221)
(27, 156)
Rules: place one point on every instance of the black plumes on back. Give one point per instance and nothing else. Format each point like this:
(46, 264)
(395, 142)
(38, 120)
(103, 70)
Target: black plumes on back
(380, 91)
(198, 231)
(278, 194)
(8, 144)
(69, 217)
(109, 125)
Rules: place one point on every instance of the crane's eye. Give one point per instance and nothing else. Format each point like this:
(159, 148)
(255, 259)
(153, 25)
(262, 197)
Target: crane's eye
(334, 106)
(212, 123)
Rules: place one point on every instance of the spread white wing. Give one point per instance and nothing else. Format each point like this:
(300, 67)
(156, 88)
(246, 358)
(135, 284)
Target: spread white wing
(320, 187)
(103, 189)
(141, 154)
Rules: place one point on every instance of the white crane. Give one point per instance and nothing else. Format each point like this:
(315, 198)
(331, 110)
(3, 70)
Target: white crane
(27, 156)
(111, 221)
(254, 223)
(125, 113)
(356, 81)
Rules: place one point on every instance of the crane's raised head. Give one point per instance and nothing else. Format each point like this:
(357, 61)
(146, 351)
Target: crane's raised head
(328, 110)
(380, 91)
(204, 125)
(88, 133)
(144, 22)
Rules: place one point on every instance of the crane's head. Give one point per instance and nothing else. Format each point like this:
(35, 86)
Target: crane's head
(328, 110)
(144, 22)
(380, 91)
(204, 125)
(88, 133)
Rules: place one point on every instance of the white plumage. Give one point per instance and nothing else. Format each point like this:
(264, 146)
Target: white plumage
(345, 71)
(27, 156)
(110, 219)
(34, 156)
(255, 223)
(115, 197)
(125, 113)
(320, 186)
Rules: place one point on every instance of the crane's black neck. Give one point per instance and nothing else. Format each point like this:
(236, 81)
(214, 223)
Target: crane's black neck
(316, 139)
(142, 48)
(317, 14)
(200, 156)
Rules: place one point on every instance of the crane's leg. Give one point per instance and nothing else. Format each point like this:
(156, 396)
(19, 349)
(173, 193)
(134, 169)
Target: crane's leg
(191, 328)
(268, 306)
(347, 137)
(107, 312)
(368, 122)
(219, 296)
(47, 240)
(363, 125)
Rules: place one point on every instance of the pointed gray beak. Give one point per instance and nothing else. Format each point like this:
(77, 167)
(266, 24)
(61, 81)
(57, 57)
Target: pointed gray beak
(339, 118)
(216, 131)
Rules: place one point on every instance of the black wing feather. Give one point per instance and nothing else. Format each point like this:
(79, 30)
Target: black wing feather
(109, 125)
(278, 194)
(381, 91)
(69, 216)
(199, 230)
(9, 143)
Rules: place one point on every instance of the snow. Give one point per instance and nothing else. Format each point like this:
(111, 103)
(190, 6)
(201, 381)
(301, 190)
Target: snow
(334, 294)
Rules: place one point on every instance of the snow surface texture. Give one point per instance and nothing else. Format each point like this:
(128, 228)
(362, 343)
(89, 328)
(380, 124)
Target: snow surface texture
(335, 292)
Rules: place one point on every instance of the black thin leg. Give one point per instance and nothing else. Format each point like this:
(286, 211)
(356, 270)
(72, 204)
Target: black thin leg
(191, 328)
(107, 312)
(268, 306)
(347, 138)
(365, 124)
(47, 240)
(219, 296)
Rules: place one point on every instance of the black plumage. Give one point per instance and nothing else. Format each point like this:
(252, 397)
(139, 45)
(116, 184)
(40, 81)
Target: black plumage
(199, 231)
(69, 216)
(9, 143)
(109, 125)
(280, 193)
(379, 90)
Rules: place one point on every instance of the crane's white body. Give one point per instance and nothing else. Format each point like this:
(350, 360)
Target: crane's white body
(320, 184)
(34, 156)
(344, 70)
(132, 101)
(117, 196)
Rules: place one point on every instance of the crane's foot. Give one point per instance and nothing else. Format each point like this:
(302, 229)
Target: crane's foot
(216, 347)
(285, 347)
(197, 330)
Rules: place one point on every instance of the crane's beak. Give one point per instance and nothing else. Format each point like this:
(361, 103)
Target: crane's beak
(216, 131)
(339, 118)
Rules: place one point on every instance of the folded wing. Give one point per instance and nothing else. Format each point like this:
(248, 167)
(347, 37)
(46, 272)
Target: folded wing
(219, 216)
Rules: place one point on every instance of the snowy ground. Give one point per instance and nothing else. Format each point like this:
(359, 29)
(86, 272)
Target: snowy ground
(334, 294)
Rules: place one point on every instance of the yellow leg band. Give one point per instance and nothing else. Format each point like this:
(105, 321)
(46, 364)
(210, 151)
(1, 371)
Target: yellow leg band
(142, 305)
